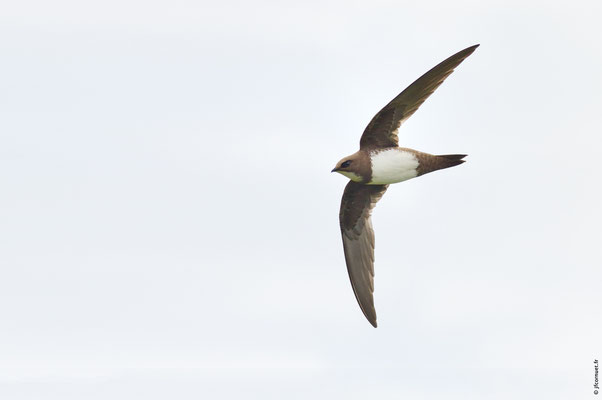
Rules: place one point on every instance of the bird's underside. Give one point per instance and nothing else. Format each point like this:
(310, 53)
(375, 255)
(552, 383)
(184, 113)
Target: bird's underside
(380, 161)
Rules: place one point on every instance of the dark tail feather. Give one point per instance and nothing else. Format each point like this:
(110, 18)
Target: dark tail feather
(433, 163)
(454, 157)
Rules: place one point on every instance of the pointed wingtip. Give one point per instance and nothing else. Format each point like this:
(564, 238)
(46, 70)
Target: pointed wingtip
(372, 320)
(370, 316)
(471, 49)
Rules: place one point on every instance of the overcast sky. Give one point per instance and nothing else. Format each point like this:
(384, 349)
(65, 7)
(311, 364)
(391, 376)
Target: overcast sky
(169, 222)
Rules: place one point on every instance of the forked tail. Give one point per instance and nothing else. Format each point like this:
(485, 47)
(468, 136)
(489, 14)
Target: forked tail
(453, 159)
(433, 163)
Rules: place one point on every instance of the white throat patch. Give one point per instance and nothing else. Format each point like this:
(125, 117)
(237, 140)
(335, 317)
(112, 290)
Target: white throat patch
(351, 175)
(392, 166)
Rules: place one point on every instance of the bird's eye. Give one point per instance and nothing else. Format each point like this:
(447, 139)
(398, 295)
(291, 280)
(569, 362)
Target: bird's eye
(346, 164)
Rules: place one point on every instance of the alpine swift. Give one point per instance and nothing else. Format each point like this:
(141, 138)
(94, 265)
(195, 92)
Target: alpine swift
(379, 162)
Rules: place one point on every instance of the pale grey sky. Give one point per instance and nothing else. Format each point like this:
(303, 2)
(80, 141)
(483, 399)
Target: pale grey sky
(169, 224)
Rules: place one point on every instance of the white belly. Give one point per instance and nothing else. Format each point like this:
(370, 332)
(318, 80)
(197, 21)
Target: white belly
(392, 166)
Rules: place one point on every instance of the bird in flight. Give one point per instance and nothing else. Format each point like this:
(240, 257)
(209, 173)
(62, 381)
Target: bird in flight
(379, 162)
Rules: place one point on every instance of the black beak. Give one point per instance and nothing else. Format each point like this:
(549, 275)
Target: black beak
(334, 170)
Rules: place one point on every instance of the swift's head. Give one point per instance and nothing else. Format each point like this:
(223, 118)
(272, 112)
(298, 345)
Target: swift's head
(353, 167)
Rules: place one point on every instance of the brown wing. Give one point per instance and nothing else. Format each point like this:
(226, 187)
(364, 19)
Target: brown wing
(358, 241)
(382, 130)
